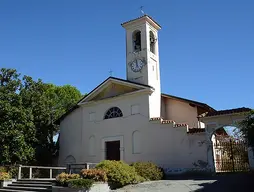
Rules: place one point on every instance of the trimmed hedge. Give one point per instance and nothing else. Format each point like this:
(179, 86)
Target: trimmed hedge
(80, 183)
(4, 176)
(119, 173)
(62, 178)
(95, 174)
(148, 170)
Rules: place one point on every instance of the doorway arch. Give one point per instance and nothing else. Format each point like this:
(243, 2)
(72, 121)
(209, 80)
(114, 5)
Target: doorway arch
(216, 121)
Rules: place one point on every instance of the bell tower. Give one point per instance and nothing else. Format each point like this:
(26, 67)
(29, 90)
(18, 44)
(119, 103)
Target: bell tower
(142, 57)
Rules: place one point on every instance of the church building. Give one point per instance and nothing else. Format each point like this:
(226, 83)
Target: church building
(131, 119)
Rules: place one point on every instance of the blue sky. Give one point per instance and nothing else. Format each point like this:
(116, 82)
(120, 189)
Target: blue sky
(206, 46)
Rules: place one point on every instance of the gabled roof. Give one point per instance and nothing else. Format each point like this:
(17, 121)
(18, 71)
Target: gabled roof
(203, 105)
(114, 79)
(96, 88)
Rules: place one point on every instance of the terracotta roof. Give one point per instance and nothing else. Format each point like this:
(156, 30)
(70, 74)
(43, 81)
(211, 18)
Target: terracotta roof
(140, 18)
(204, 105)
(196, 130)
(228, 111)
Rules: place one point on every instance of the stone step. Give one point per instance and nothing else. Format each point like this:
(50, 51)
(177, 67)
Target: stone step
(13, 190)
(34, 182)
(37, 180)
(44, 189)
(30, 185)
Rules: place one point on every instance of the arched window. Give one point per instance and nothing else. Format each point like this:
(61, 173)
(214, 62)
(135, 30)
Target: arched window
(113, 112)
(152, 42)
(136, 37)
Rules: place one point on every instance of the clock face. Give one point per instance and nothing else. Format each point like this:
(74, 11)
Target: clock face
(137, 65)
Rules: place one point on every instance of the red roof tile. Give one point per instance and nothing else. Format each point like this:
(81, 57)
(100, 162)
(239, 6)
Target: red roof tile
(228, 111)
(196, 130)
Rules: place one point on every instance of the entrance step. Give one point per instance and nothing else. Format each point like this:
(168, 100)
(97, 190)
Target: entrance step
(12, 190)
(26, 185)
(42, 189)
(31, 185)
(33, 182)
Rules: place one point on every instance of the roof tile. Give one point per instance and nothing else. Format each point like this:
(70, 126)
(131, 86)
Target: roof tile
(228, 111)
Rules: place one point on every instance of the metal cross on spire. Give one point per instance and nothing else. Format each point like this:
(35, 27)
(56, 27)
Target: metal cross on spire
(141, 10)
(110, 73)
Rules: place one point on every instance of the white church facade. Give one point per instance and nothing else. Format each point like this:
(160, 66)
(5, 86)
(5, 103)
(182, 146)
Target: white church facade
(130, 119)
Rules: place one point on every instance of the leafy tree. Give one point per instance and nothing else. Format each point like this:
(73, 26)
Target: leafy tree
(247, 128)
(47, 102)
(28, 110)
(17, 130)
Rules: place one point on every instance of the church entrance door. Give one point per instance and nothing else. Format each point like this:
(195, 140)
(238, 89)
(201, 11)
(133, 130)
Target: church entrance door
(113, 150)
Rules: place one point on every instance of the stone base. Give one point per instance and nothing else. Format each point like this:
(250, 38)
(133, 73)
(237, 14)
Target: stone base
(97, 187)
(4, 183)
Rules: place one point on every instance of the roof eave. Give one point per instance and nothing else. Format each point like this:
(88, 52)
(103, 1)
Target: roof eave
(149, 19)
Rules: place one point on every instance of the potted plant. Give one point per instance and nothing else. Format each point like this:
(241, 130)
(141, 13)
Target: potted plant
(5, 179)
(92, 180)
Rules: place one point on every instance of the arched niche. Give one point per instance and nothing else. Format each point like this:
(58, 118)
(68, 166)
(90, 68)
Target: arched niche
(92, 144)
(69, 160)
(136, 142)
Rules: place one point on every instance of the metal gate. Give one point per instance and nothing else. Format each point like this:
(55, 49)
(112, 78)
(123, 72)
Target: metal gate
(231, 156)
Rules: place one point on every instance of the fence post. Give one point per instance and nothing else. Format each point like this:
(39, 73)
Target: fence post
(30, 173)
(50, 173)
(19, 173)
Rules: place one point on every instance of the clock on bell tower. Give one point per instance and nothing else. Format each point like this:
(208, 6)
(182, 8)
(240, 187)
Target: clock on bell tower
(142, 57)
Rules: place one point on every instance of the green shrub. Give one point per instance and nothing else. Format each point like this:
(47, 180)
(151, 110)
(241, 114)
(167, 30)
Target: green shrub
(119, 173)
(4, 176)
(148, 170)
(97, 175)
(63, 178)
(80, 183)
(13, 171)
(3, 169)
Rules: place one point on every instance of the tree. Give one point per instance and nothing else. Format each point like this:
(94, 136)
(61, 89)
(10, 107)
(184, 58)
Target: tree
(28, 110)
(17, 130)
(47, 102)
(247, 128)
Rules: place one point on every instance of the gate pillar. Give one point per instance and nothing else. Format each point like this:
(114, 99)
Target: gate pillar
(251, 158)
(210, 157)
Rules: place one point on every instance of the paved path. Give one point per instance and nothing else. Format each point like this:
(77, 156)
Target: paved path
(217, 183)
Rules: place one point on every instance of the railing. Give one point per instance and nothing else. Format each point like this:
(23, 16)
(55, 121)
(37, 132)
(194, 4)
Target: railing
(38, 167)
(76, 168)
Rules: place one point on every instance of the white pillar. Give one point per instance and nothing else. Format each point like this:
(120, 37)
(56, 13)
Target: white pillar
(251, 158)
(19, 174)
(30, 173)
(50, 173)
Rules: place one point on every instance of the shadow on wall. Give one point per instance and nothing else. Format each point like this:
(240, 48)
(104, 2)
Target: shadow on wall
(229, 182)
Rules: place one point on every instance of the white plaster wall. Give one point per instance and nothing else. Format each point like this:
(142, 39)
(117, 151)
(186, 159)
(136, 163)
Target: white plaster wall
(181, 112)
(160, 143)
(70, 136)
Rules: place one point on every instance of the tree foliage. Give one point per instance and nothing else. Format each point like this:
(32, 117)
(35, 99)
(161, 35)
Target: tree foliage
(247, 128)
(28, 109)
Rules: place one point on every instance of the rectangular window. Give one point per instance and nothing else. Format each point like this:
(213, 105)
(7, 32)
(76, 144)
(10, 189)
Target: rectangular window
(134, 109)
(92, 116)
